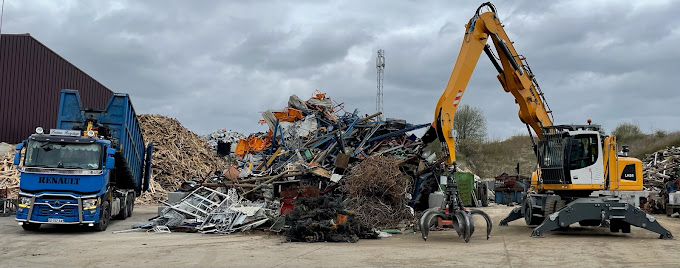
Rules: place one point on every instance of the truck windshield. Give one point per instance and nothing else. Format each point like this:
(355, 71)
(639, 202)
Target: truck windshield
(63, 155)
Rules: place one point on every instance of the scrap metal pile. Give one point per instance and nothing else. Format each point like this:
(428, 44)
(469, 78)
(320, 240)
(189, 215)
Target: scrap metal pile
(316, 133)
(212, 211)
(224, 141)
(359, 168)
(661, 167)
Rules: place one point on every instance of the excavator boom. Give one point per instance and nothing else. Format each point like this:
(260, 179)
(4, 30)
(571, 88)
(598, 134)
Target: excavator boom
(514, 75)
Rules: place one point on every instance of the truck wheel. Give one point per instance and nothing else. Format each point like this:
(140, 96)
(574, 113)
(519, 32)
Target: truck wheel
(529, 217)
(549, 207)
(485, 196)
(131, 204)
(625, 228)
(104, 218)
(30, 226)
(123, 213)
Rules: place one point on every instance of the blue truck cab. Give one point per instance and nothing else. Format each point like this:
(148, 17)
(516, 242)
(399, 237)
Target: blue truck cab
(86, 171)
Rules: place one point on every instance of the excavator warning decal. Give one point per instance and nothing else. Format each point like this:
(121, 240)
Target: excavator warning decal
(457, 99)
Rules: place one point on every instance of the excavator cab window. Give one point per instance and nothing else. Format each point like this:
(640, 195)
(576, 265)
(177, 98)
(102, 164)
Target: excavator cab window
(583, 151)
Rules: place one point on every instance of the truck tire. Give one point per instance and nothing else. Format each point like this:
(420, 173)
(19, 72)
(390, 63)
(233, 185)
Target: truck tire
(529, 217)
(549, 207)
(30, 226)
(104, 218)
(123, 213)
(625, 228)
(131, 204)
(485, 196)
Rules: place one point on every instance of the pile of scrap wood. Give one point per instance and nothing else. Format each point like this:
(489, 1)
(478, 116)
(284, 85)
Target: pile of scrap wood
(9, 176)
(661, 167)
(179, 155)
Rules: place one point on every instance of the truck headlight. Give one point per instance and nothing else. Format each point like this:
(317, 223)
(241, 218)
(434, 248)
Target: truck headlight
(24, 202)
(90, 203)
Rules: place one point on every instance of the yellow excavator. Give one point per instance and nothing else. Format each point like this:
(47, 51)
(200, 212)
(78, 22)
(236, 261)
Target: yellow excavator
(573, 161)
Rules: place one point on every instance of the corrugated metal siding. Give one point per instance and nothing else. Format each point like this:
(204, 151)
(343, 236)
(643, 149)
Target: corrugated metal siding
(31, 79)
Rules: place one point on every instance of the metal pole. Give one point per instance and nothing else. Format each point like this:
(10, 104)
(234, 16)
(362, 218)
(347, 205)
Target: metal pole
(2, 14)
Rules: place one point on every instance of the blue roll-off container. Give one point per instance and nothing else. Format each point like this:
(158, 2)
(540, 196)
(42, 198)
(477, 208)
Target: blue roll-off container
(126, 136)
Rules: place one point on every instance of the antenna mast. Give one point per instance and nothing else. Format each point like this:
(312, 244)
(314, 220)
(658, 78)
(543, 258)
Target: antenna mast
(380, 66)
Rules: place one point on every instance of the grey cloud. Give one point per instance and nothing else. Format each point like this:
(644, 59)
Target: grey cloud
(217, 64)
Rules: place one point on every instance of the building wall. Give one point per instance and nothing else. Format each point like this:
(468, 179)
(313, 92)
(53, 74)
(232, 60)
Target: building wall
(31, 79)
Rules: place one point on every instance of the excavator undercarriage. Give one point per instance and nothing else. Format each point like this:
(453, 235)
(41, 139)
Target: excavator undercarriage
(587, 211)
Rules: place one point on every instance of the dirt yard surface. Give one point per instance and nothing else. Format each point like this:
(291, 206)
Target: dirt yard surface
(509, 246)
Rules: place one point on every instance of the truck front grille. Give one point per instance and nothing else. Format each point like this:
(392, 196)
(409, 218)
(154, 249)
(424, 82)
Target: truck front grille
(67, 211)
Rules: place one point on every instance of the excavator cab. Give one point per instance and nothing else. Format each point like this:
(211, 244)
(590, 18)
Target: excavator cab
(569, 158)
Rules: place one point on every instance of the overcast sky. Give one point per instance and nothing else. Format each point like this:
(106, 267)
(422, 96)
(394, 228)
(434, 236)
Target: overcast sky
(218, 64)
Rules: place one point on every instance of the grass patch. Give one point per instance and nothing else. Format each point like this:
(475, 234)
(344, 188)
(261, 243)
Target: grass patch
(649, 143)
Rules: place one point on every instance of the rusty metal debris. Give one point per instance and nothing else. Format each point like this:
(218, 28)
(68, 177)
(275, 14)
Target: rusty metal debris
(325, 219)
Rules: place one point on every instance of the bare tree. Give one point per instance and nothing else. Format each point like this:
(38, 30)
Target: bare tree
(469, 124)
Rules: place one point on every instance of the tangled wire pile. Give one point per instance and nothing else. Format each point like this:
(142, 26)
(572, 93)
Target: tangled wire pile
(178, 155)
(377, 190)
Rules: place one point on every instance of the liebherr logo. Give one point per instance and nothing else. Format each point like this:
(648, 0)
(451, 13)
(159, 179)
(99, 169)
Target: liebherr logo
(58, 180)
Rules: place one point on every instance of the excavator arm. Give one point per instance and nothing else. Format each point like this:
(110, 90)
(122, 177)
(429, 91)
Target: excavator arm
(513, 73)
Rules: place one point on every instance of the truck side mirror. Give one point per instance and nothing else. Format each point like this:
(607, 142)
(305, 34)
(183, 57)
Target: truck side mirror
(110, 151)
(110, 162)
(17, 158)
(17, 155)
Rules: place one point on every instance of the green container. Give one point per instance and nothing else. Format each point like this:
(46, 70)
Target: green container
(465, 182)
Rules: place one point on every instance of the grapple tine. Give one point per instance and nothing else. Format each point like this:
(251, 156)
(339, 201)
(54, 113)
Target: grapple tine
(486, 217)
(472, 223)
(425, 221)
(458, 224)
(464, 224)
